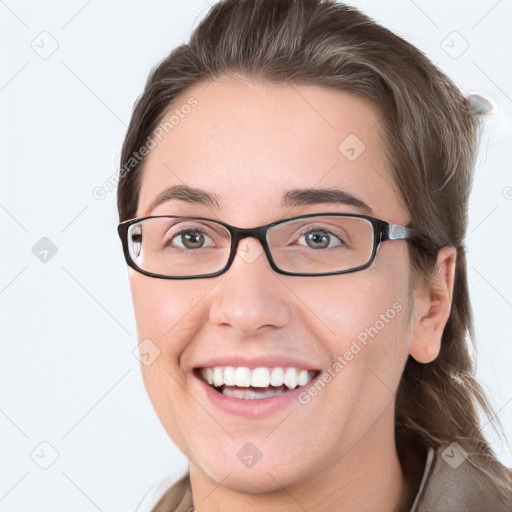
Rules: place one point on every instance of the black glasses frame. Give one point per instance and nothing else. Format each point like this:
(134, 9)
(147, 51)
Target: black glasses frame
(382, 231)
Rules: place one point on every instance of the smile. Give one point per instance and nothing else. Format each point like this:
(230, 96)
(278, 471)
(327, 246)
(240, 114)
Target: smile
(257, 383)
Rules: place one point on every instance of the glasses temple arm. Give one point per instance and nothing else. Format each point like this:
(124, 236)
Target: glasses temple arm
(397, 232)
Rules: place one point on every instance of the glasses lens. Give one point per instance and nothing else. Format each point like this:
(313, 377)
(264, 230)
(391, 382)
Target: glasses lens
(179, 246)
(321, 244)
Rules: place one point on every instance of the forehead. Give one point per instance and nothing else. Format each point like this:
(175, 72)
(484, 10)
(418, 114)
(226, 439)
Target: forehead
(248, 143)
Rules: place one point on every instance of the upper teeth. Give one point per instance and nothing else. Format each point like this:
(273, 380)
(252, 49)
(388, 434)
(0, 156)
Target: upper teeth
(258, 377)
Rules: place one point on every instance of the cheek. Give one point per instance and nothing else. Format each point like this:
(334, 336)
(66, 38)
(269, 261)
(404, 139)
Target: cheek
(167, 314)
(165, 309)
(348, 305)
(364, 317)
(153, 306)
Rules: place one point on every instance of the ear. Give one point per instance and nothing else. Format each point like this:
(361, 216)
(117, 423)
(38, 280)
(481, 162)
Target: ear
(432, 303)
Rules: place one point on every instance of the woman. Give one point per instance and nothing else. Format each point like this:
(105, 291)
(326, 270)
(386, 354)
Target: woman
(292, 198)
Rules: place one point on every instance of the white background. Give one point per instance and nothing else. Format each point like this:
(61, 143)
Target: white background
(68, 375)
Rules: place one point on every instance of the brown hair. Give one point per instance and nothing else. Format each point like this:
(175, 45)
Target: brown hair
(431, 139)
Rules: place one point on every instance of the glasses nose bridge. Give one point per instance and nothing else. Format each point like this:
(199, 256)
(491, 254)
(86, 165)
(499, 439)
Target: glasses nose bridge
(239, 234)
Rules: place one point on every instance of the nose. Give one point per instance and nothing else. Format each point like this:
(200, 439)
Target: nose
(250, 296)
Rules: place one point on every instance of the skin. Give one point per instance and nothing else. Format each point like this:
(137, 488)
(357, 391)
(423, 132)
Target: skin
(249, 142)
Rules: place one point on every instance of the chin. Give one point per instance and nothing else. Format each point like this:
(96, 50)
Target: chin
(262, 478)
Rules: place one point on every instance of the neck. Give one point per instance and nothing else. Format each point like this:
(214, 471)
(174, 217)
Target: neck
(368, 477)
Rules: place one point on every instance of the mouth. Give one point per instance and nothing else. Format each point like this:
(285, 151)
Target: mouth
(256, 383)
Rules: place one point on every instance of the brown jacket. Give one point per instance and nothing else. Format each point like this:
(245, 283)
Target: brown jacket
(452, 482)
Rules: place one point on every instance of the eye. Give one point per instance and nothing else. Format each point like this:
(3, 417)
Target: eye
(320, 239)
(189, 239)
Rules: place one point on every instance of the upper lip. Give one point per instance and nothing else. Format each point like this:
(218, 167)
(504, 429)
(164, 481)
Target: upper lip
(265, 361)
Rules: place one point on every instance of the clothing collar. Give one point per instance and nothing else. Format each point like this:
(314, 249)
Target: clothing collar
(429, 464)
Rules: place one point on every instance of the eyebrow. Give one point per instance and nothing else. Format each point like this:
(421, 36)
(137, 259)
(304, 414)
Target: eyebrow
(294, 197)
(308, 196)
(186, 194)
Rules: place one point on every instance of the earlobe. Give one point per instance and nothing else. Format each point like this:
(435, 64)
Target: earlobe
(432, 302)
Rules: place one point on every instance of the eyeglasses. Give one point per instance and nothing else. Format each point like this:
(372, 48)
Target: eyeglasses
(172, 247)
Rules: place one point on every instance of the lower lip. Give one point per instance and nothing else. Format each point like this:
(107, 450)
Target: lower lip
(256, 408)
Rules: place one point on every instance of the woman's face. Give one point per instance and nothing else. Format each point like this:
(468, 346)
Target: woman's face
(249, 144)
